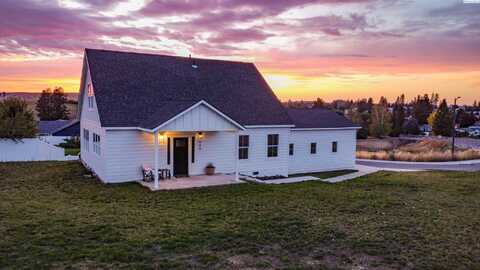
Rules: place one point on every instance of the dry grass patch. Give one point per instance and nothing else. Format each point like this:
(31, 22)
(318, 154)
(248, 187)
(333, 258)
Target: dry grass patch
(422, 151)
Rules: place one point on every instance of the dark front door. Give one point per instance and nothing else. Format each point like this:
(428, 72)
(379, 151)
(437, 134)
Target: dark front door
(180, 157)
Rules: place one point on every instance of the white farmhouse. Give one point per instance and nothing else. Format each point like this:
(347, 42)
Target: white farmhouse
(183, 114)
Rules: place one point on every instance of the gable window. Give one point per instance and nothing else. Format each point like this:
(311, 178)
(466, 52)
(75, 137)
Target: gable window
(90, 96)
(291, 149)
(334, 147)
(86, 139)
(313, 148)
(272, 145)
(243, 143)
(96, 144)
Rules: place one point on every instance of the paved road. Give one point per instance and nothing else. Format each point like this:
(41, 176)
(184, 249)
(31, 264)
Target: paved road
(421, 166)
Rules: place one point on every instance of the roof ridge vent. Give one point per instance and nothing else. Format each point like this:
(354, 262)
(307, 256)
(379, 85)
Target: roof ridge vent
(194, 64)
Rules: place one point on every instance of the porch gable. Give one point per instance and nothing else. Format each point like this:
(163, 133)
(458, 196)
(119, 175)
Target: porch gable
(200, 117)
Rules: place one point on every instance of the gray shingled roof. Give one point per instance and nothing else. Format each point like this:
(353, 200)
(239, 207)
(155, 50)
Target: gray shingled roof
(318, 118)
(48, 127)
(71, 129)
(145, 90)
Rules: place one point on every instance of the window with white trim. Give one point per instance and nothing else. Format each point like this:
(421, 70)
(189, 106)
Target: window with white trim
(313, 148)
(243, 144)
(90, 96)
(291, 149)
(272, 145)
(334, 147)
(86, 139)
(96, 144)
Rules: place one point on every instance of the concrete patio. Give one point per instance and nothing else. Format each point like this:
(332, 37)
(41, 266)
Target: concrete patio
(192, 182)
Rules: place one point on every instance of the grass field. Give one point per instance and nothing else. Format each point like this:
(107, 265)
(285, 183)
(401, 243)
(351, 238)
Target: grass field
(53, 218)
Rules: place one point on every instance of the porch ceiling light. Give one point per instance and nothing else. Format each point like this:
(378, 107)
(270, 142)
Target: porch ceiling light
(200, 135)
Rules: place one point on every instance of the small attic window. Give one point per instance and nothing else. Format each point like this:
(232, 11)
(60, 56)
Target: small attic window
(90, 96)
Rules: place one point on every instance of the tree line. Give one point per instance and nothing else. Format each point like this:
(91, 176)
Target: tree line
(17, 120)
(400, 117)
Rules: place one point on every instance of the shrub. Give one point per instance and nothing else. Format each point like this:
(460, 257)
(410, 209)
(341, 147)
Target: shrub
(70, 143)
(16, 120)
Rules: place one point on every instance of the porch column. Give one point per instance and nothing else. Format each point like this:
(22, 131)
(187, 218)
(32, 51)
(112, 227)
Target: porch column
(236, 155)
(155, 166)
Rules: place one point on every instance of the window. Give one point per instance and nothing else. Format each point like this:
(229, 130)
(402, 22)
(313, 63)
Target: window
(168, 151)
(334, 147)
(96, 144)
(90, 96)
(243, 143)
(272, 146)
(193, 149)
(290, 149)
(313, 148)
(86, 139)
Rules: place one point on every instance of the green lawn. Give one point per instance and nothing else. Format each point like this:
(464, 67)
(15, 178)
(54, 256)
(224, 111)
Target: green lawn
(72, 151)
(53, 218)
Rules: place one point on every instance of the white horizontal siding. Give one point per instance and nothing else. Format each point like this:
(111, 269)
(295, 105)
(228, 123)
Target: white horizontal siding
(90, 120)
(258, 161)
(324, 160)
(199, 118)
(125, 153)
(127, 150)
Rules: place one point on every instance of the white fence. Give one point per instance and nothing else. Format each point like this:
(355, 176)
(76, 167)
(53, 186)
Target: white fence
(29, 150)
(54, 140)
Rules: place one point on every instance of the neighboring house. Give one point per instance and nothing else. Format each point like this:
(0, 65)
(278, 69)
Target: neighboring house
(426, 129)
(70, 130)
(47, 128)
(474, 131)
(183, 114)
(56, 131)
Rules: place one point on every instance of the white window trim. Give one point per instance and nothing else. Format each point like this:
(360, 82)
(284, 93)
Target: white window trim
(273, 145)
(96, 141)
(90, 96)
(86, 139)
(336, 147)
(244, 147)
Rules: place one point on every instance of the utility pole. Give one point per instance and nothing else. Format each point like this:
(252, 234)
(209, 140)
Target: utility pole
(454, 124)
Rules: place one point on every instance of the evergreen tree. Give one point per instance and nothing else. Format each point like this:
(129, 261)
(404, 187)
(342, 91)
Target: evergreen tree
(443, 121)
(411, 127)
(319, 103)
(363, 105)
(422, 108)
(465, 119)
(398, 117)
(370, 104)
(16, 120)
(59, 101)
(52, 105)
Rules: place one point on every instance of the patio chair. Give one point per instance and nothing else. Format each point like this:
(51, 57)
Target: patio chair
(147, 173)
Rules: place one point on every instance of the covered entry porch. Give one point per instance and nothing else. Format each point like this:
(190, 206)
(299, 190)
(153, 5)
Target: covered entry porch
(189, 142)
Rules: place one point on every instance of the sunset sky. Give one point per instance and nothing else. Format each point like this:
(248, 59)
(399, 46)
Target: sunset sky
(331, 49)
